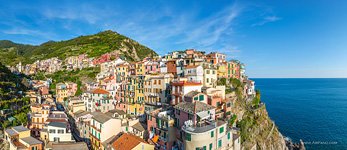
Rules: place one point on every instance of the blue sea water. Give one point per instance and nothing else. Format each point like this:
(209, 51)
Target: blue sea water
(314, 110)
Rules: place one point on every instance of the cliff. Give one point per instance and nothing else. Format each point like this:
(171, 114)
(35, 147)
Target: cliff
(257, 130)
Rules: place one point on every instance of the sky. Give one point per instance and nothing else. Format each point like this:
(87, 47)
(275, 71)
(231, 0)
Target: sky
(274, 39)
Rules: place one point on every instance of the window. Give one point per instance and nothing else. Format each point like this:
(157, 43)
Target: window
(212, 134)
(210, 146)
(201, 97)
(221, 130)
(51, 131)
(60, 131)
(219, 143)
(229, 136)
(188, 137)
(196, 98)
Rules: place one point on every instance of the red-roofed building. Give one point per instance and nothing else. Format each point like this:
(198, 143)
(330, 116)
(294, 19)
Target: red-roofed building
(181, 88)
(130, 142)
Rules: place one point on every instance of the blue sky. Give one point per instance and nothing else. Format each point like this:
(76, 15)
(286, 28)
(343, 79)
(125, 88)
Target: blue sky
(288, 38)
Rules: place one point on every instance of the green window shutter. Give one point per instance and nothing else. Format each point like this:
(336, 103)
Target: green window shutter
(188, 137)
(196, 98)
(221, 130)
(197, 148)
(219, 143)
(204, 147)
(229, 136)
(126, 129)
(201, 97)
(210, 146)
(212, 134)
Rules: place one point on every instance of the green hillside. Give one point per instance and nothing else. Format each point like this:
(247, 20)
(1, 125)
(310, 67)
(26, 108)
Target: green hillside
(93, 45)
(11, 87)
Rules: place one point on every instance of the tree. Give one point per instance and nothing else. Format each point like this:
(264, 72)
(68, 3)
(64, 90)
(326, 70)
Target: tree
(256, 101)
(222, 81)
(257, 93)
(6, 124)
(232, 120)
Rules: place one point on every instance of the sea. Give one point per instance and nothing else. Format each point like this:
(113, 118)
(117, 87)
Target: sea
(314, 110)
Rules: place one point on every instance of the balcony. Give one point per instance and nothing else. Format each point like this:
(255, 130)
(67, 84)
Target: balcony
(201, 127)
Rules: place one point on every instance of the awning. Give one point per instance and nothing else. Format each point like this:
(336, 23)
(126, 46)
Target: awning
(155, 138)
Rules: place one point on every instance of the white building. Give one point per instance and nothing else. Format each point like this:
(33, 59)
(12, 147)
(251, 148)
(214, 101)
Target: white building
(59, 132)
(194, 73)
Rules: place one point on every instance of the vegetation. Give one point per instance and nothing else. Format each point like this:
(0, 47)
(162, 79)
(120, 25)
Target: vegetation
(232, 120)
(222, 81)
(93, 45)
(11, 97)
(76, 76)
(256, 99)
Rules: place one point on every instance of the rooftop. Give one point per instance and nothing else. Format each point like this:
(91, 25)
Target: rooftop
(192, 94)
(127, 141)
(203, 126)
(100, 91)
(11, 132)
(20, 129)
(58, 124)
(138, 126)
(100, 117)
(31, 141)
(189, 107)
(67, 146)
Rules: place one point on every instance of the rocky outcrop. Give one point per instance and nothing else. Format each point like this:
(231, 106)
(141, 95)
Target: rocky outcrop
(295, 146)
(258, 131)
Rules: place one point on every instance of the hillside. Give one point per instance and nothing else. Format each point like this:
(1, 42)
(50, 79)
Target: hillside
(93, 45)
(11, 98)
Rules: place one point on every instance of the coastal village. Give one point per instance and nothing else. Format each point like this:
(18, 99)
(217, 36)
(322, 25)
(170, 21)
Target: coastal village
(178, 101)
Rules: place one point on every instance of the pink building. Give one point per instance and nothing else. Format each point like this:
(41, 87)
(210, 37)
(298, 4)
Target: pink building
(43, 90)
(196, 111)
(160, 125)
(103, 58)
(72, 88)
(152, 67)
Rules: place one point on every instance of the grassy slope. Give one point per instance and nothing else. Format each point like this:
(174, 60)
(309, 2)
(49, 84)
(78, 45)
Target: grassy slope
(93, 45)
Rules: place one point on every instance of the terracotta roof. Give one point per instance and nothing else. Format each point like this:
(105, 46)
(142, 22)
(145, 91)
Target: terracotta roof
(100, 91)
(186, 83)
(127, 142)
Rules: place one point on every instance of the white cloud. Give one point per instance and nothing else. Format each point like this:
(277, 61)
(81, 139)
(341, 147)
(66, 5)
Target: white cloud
(266, 20)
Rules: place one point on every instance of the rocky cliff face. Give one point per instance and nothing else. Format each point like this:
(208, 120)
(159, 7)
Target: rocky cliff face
(257, 130)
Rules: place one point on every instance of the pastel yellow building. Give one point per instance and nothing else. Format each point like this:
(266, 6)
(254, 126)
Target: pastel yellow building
(62, 92)
(222, 71)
